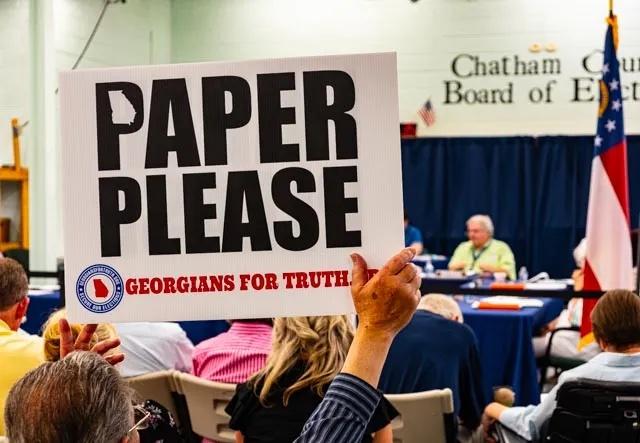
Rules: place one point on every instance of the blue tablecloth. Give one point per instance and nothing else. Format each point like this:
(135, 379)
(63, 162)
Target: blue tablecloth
(42, 305)
(506, 351)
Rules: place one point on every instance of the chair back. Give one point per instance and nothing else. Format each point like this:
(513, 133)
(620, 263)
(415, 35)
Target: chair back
(424, 416)
(206, 401)
(158, 386)
(590, 411)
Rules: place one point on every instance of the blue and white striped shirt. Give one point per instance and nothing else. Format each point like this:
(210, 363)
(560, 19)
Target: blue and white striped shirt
(343, 415)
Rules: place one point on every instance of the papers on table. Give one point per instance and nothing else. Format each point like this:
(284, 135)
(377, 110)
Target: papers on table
(505, 300)
(547, 285)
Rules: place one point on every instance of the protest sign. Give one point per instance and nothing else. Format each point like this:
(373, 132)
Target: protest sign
(227, 190)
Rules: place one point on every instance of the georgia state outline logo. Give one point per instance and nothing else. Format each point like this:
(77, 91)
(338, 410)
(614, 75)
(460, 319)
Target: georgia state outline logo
(99, 288)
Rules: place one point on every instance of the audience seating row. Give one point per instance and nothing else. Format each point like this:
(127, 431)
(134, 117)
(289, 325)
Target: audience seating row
(198, 406)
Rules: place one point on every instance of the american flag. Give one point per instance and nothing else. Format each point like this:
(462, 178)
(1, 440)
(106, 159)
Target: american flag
(427, 113)
(608, 264)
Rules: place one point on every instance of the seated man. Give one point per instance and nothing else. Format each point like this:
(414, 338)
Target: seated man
(412, 236)
(436, 351)
(152, 347)
(482, 253)
(235, 355)
(19, 352)
(616, 327)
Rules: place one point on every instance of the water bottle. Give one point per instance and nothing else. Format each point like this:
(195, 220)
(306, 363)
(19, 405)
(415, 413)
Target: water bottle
(523, 274)
(428, 267)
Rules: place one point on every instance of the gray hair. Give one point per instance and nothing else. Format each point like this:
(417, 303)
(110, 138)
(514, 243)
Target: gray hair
(80, 398)
(484, 220)
(13, 283)
(442, 305)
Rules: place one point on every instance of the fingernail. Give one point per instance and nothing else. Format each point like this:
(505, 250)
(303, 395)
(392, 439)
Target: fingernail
(353, 258)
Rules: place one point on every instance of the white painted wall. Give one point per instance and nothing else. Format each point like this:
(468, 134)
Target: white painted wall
(14, 70)
(135, 33)
(426, 35)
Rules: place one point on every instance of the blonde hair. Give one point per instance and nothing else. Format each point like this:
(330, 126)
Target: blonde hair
(442, 305)
(321, 343)
(51, 335)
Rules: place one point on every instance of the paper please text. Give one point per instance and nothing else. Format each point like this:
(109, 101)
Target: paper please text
(327, 96)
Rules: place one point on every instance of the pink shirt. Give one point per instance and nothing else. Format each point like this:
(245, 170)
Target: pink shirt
(233, 356)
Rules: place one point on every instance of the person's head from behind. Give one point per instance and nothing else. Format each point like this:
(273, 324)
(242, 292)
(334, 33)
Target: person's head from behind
(616, 321)
(319, 343)
(51, 335)
(479, 230)
(14, 287)
(442, 305)
(80, 398)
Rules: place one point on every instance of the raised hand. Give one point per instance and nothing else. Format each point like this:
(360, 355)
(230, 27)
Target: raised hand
(67, 345)
(386, 302)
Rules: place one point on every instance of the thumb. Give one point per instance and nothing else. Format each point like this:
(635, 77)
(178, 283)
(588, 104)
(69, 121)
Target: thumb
(358, 272)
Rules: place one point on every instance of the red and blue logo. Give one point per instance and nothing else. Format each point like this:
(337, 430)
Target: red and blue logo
(100, 288)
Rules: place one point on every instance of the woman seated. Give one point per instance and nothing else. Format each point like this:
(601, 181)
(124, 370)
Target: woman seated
(308, 352)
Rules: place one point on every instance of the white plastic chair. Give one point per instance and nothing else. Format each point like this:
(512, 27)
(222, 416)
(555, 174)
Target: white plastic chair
(423, 416)
(206, 401)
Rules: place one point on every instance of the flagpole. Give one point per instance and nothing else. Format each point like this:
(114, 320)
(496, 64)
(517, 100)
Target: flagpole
(610, 8)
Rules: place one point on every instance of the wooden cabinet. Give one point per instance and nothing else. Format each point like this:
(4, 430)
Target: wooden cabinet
(20, 176)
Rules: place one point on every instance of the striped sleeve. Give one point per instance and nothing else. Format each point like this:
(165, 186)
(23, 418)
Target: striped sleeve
(344, 413)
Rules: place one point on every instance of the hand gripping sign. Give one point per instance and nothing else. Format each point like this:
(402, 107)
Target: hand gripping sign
(227, 190)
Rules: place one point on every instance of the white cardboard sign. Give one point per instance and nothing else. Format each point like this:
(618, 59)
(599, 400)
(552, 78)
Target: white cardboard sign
(227, 190)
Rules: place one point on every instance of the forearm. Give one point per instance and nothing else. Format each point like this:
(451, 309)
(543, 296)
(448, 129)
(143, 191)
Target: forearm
(367, 355)
(343, 414)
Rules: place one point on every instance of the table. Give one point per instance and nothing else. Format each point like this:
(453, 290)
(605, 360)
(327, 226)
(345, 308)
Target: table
(43, 303)
(506, 351)
(461, 286)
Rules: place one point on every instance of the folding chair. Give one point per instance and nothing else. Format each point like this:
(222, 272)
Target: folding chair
(424, 416)
(206, 401)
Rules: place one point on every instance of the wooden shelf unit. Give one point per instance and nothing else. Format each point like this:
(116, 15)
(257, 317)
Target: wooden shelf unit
(20, 175)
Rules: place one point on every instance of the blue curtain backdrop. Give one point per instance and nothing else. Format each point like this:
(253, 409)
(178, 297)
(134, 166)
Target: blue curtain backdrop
(535, 189)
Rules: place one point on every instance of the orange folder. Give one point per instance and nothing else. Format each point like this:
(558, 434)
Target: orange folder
(498, 306)
(505, 285)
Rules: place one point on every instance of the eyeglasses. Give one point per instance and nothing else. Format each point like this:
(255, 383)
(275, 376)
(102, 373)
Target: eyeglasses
(142, 416)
